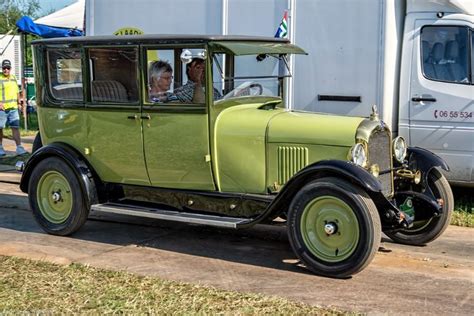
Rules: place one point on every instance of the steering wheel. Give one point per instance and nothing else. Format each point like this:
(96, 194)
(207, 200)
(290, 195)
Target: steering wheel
(248, 88)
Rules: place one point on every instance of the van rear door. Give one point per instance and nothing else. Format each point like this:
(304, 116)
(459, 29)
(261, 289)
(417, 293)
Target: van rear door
(441, 106)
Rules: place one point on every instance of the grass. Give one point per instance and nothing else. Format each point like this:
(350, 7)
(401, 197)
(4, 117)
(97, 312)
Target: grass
(32, 287)
(463, 214)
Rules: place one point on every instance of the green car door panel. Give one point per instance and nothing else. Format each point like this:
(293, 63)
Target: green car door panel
(176, 146)
(115, 146)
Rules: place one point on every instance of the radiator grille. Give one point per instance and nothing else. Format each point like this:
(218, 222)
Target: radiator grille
(380, 153)
(290, 161)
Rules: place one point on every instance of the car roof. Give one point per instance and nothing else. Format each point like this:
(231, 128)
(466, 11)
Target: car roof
(156, 38)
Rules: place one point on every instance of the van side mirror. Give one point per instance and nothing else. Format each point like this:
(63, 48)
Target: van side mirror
(187, 57)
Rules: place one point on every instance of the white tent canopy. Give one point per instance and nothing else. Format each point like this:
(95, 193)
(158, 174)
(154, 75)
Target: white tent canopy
(71, 17)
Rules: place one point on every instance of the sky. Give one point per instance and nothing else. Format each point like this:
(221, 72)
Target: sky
(52, 5)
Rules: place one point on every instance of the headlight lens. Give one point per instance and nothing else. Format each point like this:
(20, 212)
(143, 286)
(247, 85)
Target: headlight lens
(358, 155)
(399, 149)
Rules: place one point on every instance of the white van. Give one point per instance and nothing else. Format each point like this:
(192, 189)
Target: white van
(413, 58)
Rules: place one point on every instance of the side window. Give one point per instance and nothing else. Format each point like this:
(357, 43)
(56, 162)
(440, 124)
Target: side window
(65, 74)
(171, 81)
(445, 53)
(114, 74)
(160, 76)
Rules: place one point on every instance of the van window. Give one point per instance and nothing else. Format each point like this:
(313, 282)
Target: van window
(445, 53)
(65, 74)
(114, 75)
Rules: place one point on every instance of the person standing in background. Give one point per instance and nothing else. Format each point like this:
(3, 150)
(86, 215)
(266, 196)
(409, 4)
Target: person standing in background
(9, 105)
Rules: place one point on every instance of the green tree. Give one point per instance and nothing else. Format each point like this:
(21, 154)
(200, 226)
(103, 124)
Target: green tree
(12, 10)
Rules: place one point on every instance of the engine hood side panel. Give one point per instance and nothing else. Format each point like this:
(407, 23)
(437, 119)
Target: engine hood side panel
(313, 128)
(240, 147)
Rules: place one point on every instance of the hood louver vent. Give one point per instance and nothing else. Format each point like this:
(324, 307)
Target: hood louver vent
(290, 161)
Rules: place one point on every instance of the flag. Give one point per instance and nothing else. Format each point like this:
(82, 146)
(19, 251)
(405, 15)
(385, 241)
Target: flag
(282, 31)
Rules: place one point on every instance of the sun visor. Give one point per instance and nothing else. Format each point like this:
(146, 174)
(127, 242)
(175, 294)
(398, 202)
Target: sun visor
(256, 48)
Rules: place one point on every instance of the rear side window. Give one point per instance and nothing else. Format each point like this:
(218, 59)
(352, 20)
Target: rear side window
(65, 74)
(114, 75)
(445, 53)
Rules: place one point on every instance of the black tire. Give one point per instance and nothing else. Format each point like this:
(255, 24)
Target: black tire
(56, 198)
(37, 143)
(426, 231)
(357, 218)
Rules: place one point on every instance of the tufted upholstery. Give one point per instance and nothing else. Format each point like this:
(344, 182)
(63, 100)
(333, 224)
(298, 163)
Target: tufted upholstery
(67, 93)
(108, 91)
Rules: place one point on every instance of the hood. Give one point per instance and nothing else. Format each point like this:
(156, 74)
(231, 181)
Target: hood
(313, 128)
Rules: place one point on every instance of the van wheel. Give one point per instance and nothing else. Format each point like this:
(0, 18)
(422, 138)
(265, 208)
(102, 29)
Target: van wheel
(333, 227)
(425, 231)
(56, 198)
(37, 143)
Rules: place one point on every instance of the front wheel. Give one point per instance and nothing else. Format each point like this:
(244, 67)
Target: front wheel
(334, 227)
(425, 231)
(56, 198)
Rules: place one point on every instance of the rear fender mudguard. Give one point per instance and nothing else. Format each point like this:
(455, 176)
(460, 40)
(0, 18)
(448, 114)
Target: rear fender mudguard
(75, 161)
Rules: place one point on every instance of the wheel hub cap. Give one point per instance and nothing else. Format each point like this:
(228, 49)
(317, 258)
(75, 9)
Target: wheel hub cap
(56, 196)
(330, 228)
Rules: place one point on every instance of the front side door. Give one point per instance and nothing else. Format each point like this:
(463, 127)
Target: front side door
(441, 106)
(175, 127)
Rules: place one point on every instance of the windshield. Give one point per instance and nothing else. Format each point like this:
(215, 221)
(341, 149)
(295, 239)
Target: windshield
(249, 75)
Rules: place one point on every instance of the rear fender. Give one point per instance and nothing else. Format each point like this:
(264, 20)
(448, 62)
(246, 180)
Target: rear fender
(73, 158)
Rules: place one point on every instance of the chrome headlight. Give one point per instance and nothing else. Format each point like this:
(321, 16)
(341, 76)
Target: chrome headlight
(399, 149)
(359, 155)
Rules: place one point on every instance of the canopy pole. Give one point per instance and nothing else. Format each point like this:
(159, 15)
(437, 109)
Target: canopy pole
(23, 100)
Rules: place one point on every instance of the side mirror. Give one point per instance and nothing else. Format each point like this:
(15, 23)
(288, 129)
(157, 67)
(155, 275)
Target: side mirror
(187, 56)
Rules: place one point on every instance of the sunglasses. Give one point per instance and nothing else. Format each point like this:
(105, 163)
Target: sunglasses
(3, 68)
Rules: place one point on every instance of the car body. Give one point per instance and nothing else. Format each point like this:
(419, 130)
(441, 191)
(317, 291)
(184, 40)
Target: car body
(233, 159)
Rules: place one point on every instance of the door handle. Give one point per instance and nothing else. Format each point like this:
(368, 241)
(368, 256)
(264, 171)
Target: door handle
(427, 98)
(132, 117)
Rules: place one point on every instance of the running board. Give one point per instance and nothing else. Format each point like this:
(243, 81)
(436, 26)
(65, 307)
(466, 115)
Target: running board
(210, 220)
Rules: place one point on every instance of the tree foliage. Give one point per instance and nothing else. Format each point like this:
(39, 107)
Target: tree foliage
(12, 10)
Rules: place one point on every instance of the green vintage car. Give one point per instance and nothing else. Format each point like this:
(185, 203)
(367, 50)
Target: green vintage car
(123, 130)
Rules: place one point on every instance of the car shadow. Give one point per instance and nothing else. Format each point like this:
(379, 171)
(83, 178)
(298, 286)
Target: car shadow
(261, 245)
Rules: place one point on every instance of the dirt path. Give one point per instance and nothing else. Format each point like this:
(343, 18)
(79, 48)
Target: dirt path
(437, 279)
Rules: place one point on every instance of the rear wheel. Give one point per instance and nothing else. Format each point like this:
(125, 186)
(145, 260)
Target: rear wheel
(56, 197)
(334, 227)
(425, 231)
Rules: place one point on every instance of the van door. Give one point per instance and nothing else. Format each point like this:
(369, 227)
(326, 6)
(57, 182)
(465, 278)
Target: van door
(441, 106)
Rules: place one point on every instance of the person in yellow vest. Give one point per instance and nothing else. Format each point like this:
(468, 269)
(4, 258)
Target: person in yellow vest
(9, 104)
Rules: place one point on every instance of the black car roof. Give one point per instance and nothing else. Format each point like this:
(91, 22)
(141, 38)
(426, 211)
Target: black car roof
(154, 38)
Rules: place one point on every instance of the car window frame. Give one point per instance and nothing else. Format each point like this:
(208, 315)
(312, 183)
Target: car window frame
(51, 100)
(126, 106)
(180, 107)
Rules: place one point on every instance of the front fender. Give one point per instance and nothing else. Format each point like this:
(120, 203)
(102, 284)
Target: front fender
(325, 168)
(424, 160)
(72, 158)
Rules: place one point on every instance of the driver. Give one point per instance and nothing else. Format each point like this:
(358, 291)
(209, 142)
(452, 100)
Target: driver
(194, 90)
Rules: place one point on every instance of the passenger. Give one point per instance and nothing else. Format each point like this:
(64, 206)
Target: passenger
(194, 89)
(160, 77)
